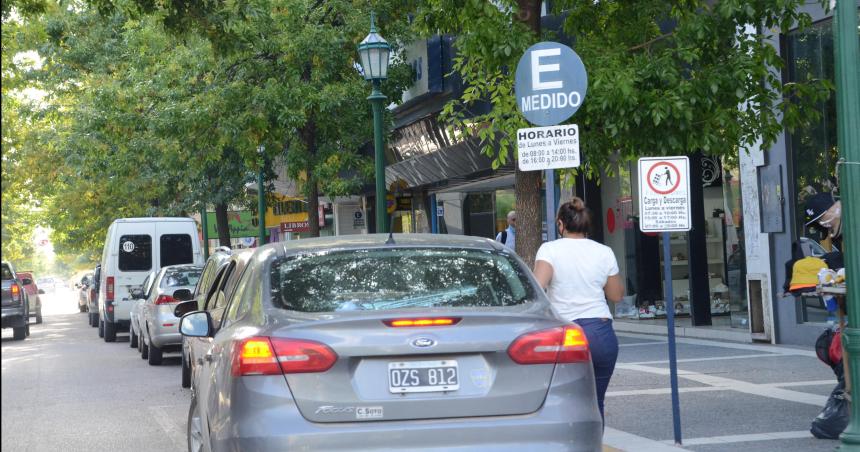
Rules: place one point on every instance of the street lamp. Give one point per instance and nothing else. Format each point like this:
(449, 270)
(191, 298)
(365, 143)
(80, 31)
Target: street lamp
(374, 51)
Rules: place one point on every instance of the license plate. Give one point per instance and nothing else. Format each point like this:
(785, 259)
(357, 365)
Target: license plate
(423, 376)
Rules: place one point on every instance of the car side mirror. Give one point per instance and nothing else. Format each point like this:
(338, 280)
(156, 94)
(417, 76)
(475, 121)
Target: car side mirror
(196, 324)
(26, 281)
(137, 294)
(41, 292)
(183, 295)
(185, 307)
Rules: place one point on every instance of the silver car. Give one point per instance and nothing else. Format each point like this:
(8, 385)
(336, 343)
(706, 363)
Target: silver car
(138, 298)
(433, 342)
(159, 327)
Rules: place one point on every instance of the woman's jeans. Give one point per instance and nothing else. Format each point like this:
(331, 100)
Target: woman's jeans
(604, 352)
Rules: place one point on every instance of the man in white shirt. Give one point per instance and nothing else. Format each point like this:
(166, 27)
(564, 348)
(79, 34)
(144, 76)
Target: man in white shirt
(508, 237)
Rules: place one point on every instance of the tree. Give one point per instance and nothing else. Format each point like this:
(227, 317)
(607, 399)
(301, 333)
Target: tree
(665, 78)
(288, 72)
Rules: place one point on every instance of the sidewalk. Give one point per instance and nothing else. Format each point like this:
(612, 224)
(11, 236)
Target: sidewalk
(733, 396)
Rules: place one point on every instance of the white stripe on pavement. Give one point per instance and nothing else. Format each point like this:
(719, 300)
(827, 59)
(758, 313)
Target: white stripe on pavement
(637, 344)
(633, 443)
(711, 358)
(660, 391)
(735, 385)
(783, 350)
(744, 438)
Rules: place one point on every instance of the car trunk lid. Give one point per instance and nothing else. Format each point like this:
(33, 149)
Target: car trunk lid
(426, 372)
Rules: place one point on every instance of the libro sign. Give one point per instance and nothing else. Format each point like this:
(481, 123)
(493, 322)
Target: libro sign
(664, 194)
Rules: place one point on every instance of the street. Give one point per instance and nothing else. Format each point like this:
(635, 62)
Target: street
(64, 388)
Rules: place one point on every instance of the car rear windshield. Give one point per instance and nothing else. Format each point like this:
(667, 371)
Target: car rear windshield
(176, 249)
(396, 278)
(179, 278)
(135, 252)
(7, 272)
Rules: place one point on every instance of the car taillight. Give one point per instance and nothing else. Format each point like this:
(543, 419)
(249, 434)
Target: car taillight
(274, 356)
(16, 292)
(436, 321)
(566, 344)
(109, 288)
(165, 299)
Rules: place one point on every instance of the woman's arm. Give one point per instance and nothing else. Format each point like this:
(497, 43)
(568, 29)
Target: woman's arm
(614, 289)
(543, 273)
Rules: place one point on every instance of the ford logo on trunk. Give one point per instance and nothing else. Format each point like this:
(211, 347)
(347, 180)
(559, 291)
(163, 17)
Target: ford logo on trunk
(423, 342)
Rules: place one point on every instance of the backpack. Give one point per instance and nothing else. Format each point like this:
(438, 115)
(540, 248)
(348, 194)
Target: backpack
(504, 237)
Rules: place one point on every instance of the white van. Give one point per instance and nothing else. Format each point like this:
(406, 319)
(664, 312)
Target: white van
(134, 248)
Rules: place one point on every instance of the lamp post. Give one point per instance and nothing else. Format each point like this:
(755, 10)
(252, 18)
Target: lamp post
(374, 51)
(261, 199)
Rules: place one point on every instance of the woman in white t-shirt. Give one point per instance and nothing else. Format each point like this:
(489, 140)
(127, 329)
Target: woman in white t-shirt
(580, 275)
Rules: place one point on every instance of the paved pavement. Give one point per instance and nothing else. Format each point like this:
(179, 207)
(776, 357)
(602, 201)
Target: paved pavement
(733, 396)
(65, 389)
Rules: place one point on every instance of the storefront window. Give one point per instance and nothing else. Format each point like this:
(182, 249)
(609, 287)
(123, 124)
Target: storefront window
(813, 149)
(809, 55)
(640, 255)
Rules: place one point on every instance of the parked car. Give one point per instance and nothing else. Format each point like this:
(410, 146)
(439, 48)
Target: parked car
(48, 283)
(196, 300)
(159, 327)
(133, 248)
(93, 297)
(448, 339)
(83, 291)
(33, 292)
(15, 303)
(138, 297)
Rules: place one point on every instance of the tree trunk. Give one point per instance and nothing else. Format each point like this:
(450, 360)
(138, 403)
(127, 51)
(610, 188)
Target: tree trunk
(313, 204)
(222, 224)
(309, 136)
(527, 183)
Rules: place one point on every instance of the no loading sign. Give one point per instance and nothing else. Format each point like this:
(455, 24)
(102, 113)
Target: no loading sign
(664, 194)
(664, 177)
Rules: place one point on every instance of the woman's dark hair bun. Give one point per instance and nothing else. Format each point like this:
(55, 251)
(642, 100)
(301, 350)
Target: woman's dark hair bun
(574, 216)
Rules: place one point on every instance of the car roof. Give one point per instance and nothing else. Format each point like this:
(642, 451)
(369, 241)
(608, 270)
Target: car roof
(364, 241)
(151, 219)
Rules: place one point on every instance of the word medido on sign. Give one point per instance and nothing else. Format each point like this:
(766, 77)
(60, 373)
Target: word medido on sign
(550, 83)
(553, 147)
(664, 194)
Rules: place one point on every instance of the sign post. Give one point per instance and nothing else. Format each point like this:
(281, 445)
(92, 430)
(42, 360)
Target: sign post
(550, 86)
(664, 206)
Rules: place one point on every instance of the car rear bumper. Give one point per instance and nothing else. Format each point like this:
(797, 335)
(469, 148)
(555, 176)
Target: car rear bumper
(13, 317)
(263, 408)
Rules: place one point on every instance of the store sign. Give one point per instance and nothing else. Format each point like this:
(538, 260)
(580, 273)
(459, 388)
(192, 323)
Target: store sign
(242, 224)
(664, 194)
(550, 83)
(552, 147)
(295, 226)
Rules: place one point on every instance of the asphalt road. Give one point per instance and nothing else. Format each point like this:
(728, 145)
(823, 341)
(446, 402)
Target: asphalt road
(65, 389)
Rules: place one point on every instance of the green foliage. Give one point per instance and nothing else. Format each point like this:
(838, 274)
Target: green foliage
(665, 78)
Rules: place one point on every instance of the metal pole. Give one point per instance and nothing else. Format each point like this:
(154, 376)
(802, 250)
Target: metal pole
(669, 304)
(376, 98)
(434, 216)
(261, 207)
(204, 224)
(549, 195)
(847, 53)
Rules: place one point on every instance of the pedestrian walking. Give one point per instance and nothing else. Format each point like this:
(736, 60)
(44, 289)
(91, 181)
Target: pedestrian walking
(508, 237)
(581, 275)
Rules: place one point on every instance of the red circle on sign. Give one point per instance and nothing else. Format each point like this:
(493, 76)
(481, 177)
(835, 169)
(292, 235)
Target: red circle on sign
(671, 189)
(610, 220)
